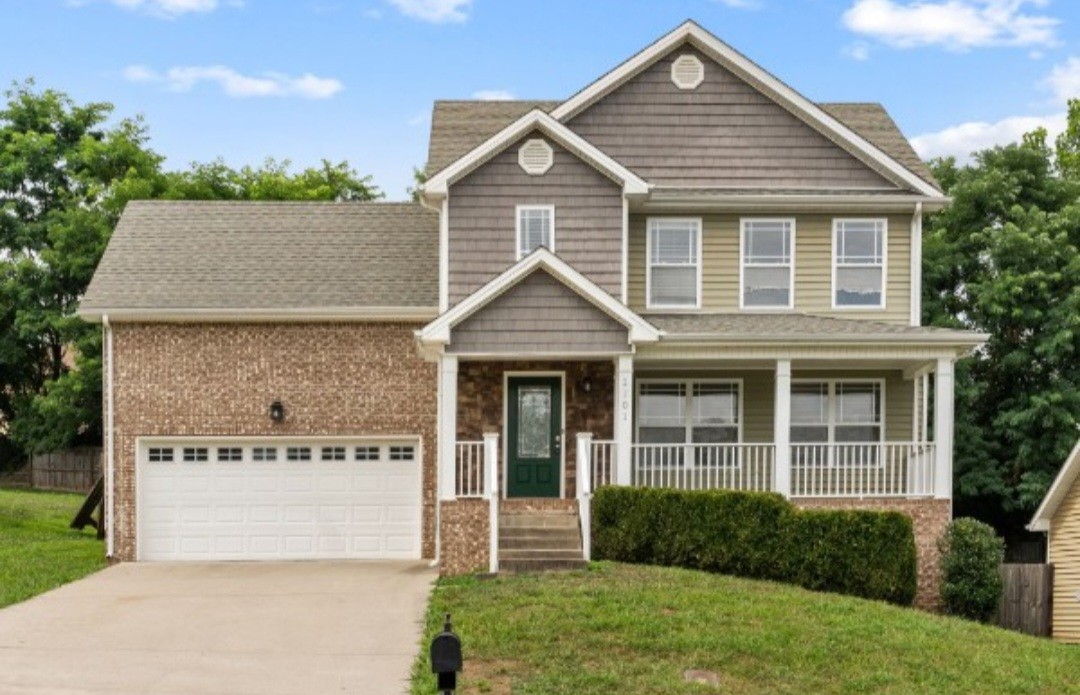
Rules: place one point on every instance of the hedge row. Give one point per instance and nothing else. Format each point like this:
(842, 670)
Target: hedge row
(760, 536)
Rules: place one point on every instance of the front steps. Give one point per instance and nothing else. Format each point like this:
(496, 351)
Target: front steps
(540, 541)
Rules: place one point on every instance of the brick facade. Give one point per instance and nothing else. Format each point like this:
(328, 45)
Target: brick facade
(480, 403)
(219, 380)
(929, 518)
(465, 536)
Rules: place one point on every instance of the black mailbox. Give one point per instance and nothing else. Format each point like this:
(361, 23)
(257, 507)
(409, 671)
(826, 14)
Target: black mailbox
(446, 657)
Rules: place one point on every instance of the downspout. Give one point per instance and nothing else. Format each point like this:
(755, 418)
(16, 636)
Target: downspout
(110, 441)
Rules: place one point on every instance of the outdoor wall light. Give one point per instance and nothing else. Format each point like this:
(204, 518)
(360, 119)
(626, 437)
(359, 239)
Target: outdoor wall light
(585, 385)
(277, 411)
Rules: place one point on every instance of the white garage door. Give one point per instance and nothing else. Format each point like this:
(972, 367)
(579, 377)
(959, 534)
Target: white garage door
(278, 499)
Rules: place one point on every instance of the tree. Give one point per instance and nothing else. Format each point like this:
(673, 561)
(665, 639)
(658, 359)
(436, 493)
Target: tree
(272, 181)
(1004, 258)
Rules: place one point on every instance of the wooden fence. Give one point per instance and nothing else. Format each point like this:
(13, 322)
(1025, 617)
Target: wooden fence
(75, 470)
(1026, 598)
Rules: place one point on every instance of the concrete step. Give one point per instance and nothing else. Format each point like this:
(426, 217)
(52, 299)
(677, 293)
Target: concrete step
(540, 554)
(520, 566)
(560, 520)
(569, 542)
(540, 531)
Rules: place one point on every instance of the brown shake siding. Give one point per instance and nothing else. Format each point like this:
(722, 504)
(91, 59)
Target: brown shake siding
(483, 226)
(219, 380)
(539, 315)
(723, 133)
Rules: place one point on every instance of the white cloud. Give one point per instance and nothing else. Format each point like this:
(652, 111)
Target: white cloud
(435, 11)
(1064, 80)
(167, 8)
(954, 24)
(234, 84)
(962, 140)
(740, 4)
(494, 95)
(859, 50)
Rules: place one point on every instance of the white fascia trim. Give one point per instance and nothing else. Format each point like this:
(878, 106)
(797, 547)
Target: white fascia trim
(640, 330)
(1057, 492)
(660, 200)
(438, 186)
(758, 77)
(298, 315)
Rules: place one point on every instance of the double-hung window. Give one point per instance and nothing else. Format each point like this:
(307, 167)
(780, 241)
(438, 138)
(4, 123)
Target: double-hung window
(768, 265)
(859, 254)
(674, 267)
(836, 412)
(676, 412)
(535, 228)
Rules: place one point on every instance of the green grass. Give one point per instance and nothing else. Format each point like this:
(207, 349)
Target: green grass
(38, 551)
(634, 629)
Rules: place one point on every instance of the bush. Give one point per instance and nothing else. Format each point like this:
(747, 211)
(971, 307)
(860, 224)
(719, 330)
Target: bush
(759, 536)
(971, 553)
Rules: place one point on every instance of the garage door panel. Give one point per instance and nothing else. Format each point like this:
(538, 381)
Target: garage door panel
(248, 500)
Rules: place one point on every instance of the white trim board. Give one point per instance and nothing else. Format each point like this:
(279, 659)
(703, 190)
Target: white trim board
(804, 109)
(1058, 491)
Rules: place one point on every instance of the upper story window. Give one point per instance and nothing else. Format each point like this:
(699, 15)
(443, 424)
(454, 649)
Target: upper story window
(674, 272)
(768, 265)
(859, 254)
(535, 228)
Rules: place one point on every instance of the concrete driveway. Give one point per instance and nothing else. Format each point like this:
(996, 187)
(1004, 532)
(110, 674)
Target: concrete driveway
(302, 628)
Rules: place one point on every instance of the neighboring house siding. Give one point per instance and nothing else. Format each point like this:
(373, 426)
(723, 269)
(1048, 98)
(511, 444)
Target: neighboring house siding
(1065, 556)
(539, 315)
(723, 133)
(813, 265)
(482, 222)
(216, 379)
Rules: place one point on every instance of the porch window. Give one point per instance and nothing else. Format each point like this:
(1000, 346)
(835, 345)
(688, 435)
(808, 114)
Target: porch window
(674, 269)
(688, 412)
(768, 268)
(836, 412)
(859, 263)
(535, 228)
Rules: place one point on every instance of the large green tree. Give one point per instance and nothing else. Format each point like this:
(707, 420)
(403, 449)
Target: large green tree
(1004, 258)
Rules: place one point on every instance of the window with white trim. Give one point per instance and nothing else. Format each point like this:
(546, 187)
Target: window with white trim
(768, 266)
(859, 253)
(298, 453)
(836, 412)
(264, 453)
(688, 412)
(674, 267)
(161, 454)
(230, 453)
(535, 228)
(367, 453)
(196, 454)
(333, 453)
(402, 453)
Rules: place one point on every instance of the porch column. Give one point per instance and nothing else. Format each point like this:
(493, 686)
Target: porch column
(943, 428)
(624, 417)
(447, 416)
(782, 428)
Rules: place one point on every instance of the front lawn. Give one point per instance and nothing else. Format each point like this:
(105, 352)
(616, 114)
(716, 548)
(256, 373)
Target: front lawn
(38, 551)
(634, 629)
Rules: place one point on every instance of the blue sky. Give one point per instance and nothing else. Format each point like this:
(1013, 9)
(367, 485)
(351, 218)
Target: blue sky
(355, 79)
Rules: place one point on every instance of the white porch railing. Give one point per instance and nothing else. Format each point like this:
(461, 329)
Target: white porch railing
(476, 468)
(886, 469)
(602, 462)
(470, 469)
(749, 467)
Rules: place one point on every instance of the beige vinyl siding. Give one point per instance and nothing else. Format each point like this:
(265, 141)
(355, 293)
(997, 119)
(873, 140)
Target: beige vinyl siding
(759, 395)
(1065, 556)
(813, 265)
(539, 315)
(483, 225)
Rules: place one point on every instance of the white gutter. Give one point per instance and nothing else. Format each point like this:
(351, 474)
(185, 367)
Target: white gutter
(110, 440)
(298, 315)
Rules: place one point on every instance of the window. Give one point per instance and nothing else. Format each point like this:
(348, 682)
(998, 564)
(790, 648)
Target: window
(768, 268)
(535, 228)
(681, 412)
(161, 455)
(674, 273)
(264, 453)
(402, 453)
(839, 412)
(367, 453)
(196, 454)
(230, 453)
(333, 453)
(298, 453)
(859, 254)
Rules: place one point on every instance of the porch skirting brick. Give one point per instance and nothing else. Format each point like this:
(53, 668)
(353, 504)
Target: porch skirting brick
(929, 518)
(464, 536)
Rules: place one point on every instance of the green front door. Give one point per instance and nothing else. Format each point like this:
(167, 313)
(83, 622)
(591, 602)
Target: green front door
(533, 436)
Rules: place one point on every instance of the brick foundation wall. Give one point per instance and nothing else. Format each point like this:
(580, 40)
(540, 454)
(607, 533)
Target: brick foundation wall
(480, 403)
(219, 380)
(929, 518)
(466, 543)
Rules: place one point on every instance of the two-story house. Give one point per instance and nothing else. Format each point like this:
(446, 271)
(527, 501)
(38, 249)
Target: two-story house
(685, 275)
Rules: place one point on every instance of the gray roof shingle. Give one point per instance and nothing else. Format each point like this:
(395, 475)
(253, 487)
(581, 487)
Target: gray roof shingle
(235, 256)
(800, 327)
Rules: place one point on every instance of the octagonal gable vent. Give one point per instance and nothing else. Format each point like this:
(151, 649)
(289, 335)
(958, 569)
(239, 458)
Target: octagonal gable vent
(687, 72)
(536, 157)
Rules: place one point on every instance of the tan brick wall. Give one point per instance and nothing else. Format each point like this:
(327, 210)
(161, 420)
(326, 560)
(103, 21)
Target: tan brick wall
(929, 518)
(480, 403)
(465, 536)
(219, 380)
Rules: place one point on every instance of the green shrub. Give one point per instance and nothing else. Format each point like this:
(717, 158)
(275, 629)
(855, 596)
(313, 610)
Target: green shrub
(760, 536)
(971, 553)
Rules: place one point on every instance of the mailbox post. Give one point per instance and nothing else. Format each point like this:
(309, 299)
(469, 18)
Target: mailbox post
(446, 658)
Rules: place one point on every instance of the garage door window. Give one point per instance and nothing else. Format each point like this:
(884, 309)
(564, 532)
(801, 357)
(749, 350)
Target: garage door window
(264, 453)
(333, 453)
(196, 454)
(402, 453)
(367, 453)
(161, 455)
(298, 453)
(230, 453)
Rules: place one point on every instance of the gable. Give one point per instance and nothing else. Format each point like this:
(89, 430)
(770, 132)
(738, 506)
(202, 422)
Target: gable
(723, 133)
(539, 315)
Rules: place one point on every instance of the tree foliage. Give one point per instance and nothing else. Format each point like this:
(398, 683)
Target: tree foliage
(1004, 259)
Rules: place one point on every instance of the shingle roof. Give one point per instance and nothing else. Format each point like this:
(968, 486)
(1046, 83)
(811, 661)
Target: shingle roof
(800, 327)
(268, 256)
(459, 126)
